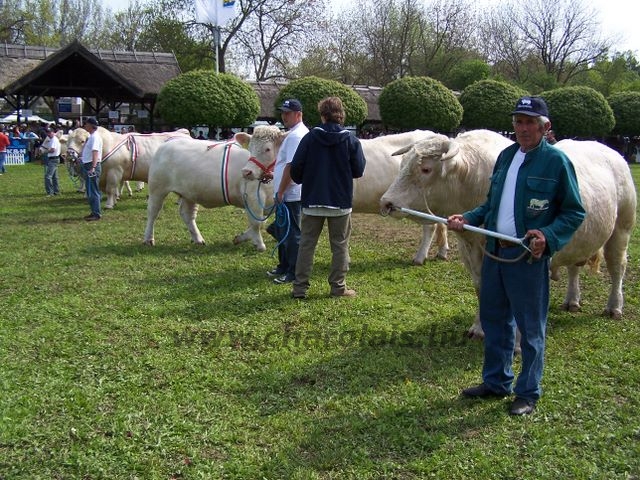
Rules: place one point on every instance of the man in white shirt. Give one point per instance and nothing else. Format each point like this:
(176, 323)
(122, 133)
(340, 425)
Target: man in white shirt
(287, 194)
(92, 167)
(51, 149)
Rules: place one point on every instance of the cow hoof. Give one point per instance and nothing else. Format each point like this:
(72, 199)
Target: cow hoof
(109, 207)
(260, 248)
(442, 256)
(615, 314)
(237, 240)
(474, 334)
(571, 307)
(417, 262)
(151, 242)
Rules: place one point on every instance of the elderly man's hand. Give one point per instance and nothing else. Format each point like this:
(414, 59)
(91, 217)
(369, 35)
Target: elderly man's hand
(537, 243)
(456, 222)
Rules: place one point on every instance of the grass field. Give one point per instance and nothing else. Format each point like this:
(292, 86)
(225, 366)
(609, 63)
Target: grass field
(121, 361)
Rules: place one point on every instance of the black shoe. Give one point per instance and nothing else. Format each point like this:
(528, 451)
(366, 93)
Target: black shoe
(482, 391)
(275, 273)
(284, 279)
(522, 406)
(300, 296)
(92, 218)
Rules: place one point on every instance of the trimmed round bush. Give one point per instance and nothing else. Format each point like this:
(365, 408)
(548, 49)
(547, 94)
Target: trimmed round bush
(202, 97)
(488, 104)
(626, 111)
(579, 112)
(419, 102)
(310, 90)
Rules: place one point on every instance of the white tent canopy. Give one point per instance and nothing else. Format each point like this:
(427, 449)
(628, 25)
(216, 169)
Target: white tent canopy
(13, 118)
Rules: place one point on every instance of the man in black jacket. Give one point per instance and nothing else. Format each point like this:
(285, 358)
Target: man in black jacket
(327, 160)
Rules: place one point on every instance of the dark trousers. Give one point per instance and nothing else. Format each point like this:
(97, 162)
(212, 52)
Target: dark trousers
(287, 226)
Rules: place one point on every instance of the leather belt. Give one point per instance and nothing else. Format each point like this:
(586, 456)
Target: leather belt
(507, 244)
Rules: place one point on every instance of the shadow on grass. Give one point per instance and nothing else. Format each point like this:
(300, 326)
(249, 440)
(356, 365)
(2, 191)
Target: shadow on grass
(412, 408)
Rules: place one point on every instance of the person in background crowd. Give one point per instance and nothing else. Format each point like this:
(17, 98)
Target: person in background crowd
(287, 194)
(534, 194)
(551, 137)
(4, 143)
(51, 150)
(327, 160)
(92, 168)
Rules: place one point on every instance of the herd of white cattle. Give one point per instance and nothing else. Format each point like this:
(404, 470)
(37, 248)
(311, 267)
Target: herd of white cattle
(420, 170)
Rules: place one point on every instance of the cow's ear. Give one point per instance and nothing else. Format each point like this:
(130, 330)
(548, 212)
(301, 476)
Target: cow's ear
(243, 139)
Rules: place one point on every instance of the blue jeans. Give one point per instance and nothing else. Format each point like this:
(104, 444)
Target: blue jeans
(93, 187)
(514, 294)
(288, 234)
(51, 185)
(3, 158)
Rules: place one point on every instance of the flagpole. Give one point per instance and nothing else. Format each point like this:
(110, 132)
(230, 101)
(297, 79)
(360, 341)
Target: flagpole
(216, 46)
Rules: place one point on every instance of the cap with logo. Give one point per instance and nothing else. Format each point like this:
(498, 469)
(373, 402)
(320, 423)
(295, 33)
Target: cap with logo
(290, 105)
(532, 106)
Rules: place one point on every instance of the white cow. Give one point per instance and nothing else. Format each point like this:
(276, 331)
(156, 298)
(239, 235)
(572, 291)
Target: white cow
(124, 157)
(207, 174)
(379, 172)
(453, 176)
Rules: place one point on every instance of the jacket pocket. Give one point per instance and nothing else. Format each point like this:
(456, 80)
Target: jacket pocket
(540, 194)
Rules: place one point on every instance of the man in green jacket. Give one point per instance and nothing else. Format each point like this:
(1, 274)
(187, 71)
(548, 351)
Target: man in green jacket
(533, 193)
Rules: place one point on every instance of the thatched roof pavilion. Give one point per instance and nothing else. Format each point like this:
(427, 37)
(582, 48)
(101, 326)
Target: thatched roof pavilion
(106, 77)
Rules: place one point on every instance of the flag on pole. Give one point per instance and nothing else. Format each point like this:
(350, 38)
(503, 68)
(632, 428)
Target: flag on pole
(215, 12)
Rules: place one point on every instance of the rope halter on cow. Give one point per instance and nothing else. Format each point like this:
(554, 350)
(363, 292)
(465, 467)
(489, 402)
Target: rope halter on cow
(267, 171)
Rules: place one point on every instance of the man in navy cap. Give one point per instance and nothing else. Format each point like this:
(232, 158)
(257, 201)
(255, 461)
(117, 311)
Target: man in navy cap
(287, 194)
(533, 193)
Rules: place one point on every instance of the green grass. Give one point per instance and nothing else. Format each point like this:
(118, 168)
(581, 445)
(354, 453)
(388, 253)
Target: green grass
(120, 361)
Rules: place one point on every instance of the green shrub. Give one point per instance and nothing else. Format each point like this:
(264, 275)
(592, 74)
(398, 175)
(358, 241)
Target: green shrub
(626, 110)
(488, 103)
(310, 90)
(579, 112)
(419, 102)
(202, 97)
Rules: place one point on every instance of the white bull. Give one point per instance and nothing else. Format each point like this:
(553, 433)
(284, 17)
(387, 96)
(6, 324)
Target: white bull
(124, 157)
(207, 174)
(452, 175)
(379, 172)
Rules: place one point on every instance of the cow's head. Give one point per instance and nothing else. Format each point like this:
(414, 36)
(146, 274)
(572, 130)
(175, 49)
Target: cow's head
(422, 164)
(75, 142)
(263, 147)
(425, 161)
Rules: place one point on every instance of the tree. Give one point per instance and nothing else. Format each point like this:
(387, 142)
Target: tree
(626, 110)
(467, 72)
(419, 102)
(272, 31)
(560, 38)
(310, 90)
(202, 97)
(579, 112)
(487, 104)
(56, 23)
(445, 36)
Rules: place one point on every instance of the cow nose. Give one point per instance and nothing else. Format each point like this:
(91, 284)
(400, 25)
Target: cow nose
(385, 208)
